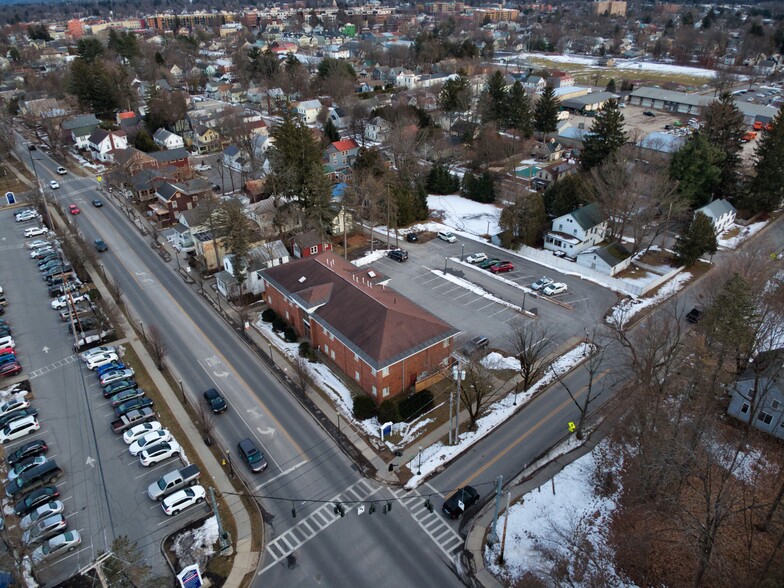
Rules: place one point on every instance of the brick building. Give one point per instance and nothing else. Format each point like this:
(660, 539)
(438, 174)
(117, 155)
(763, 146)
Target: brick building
(374, 335)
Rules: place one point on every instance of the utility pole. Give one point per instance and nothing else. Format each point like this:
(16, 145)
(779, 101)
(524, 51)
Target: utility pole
(459, 374)
(451, 402)
(492, 539)
(506, 522)
(225, 538)
(96, 565)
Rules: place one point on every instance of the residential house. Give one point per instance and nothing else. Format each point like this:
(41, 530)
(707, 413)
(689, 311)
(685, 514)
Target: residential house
(103, 145)
(407, 79)
(550, 151)
(178, 158)
(167, 140)
(577, 231)
(535, 83)
(720, 213)
(552, 173)
(341, 154)
(144, 183)
(309, 244)
(79, 129)
(375, 336)
(208, 250)
(259, 258)
(758, 394)
(174, 198)
(234, 158)
(377, 130)
(560, 79)
(610, 259)
(339, 117)
(308, 110)
(205, 139)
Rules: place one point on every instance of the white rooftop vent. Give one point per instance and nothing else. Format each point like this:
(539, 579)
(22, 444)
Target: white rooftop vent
(371, 274)
(302, 279)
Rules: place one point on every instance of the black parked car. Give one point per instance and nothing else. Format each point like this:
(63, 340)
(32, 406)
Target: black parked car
(412, 237)
(35, 499)
(215, 401)
(398, 255)
(460, 501)
(30, 449)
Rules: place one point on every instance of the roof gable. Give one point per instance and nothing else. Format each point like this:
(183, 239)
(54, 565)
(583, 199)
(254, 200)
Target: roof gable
(588, 216)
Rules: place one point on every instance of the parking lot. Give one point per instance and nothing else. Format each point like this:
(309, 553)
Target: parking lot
(103, 487)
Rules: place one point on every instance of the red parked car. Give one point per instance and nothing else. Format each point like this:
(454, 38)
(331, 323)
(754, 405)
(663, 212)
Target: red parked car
(73, 209)
(10, 369)
(502, 266)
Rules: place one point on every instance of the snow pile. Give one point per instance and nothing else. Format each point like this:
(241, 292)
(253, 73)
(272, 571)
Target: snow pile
(570, 525)
(466, 215)
(496, 361)
(622, 312)
(370, 257)
(437, 454)
(624, 64)
(742, 233)
(197, 545)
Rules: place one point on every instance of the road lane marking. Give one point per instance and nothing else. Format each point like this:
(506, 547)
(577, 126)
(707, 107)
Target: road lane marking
(281, 474)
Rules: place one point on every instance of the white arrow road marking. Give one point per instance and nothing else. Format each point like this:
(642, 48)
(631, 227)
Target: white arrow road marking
(90, 461)
(221, 374)
(267, 431)
(45, 349)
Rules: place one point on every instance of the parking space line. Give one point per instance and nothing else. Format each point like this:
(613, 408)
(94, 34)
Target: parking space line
(62, 559)
(487, 305)
(468, 293)
(21, 440)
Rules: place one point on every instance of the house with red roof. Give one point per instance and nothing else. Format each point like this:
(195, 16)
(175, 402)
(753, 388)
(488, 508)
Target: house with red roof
(342, 153)
(376, 337)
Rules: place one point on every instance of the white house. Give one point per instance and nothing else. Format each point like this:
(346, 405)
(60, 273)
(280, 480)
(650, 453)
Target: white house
(721, 214)
(377, 130)
(309, 110)
(407, 79)
(80, 128)
(261, 257)
(610, 260)
(167, 140)
(535, 83)
(103, 144)
(575, 232)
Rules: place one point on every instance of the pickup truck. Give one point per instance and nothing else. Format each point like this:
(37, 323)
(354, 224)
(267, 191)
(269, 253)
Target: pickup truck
(693, 316)
(172, 481)
(134, 417)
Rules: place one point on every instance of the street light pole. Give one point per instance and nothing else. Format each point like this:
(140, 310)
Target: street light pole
(144, 335)
(231, 465)
(272, 359)
(419, 467)
(182, 390)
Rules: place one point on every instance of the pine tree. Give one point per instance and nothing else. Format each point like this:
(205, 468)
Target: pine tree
(611, 85)
(564, 196)
(546, 112)
(236, 226)
(479, 188)
(698, 239)
(524, 221)
(607, 136)
(495, 100)
(331, 131)
(455, 95)
(519, 115)
(766, 189)
(724, 128)
(697, 168)
(440, 181)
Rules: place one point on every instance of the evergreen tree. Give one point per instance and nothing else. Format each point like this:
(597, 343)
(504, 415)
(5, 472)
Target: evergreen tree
(697, 168)
(611, 85)
(440, 181)
(698, 239)
(144, 142)
(564, 196)
(479, 188)
(519, 111)
(331, 131)
(546, 112)
(455, 95)
(766, 189)
(524, 222)
(237, 229)
(607, 136)
(495, 100)
(724, 128)
(89, 49)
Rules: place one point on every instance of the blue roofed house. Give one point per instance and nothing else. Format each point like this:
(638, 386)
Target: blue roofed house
(575, 232)
(758, 394)
(720, 213)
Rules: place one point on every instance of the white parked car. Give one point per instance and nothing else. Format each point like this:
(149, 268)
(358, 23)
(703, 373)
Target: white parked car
(97, 361)
(135, 433)
(44, 511)
(37, 244)
(116, 375)
(7, 342)
(182, 499)
(53, 184)
(67, 541)
(15, 403)
(476, 258)
(554, 288)
(62, 301)
(541, 283)
(447, 236)
(203, 167)
(148, 440)
(35, 232)
(18, 429)
(44, 529)
(96, 351)
(159, 452)
(26, 215)
(41, 252)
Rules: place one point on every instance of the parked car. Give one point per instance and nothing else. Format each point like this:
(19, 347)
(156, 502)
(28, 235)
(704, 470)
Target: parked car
(10, 369)
(478, 343)
(15, 403)
(126, 395)
(57, 545)
(116, 376)
(476, 258)
(412, 237)
(488, 262)
(447, 236)
(501, 267)
(53, 184)
(203, 167)
(541, 283)
(37, 244)
(41, 252)
(175, 503)
(398, 255)
(139, 431)
(47, 509)
(7, 342)
(33, 499)
(554, 288)
(694, 315)
(73, 209)
(18, 429)
(62, 171)
(129, 405)
(456, 505)
(100, 246)
(44, 529)
(159, 452)
(29, 449)
(114, 365)
(35, 231)
(148, 440)
(25, 465)
(100, 359)
(649, 113)
(62, 301)
(96, 351)
(215, 401)
(117, 387)
(251, 455)
(26, 215)
(97, 202)
(16, 415)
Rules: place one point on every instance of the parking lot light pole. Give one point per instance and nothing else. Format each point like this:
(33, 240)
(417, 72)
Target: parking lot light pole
(524, 293)
(462, 250)
(272, 359)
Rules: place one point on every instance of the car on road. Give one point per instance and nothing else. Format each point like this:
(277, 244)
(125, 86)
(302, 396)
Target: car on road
(135, 433)
(100, 245)
(554, 288)
(25, 465)
(203, 167)
(649, 113)
(35, 231)
(126, 395)
(129, 405)
(541, 283)
(148, 440)
(16, 415)
(29, 449)
(97, 350)
(215, 401)
(488, 262)
(18, 429)
(31, 147)
(398, 255)
(251, 455)
(446, 236)
(62, 171)
(54, 184)
(456, 505)
(116, 376)
(159, 452)
(694, 315)
(73, 209)
(412, 237)
(476, 258)
(501, 267)
(32, 500)
(100, 359)
(97, 202)
(44, 529)
(16, 403)
(175, 503)
(57, 545)
(46, 510)
(117, 387)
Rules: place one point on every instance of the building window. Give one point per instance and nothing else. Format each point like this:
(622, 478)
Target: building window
(314, 250)
(775, 405)
(356, 357)
(745, 408)
(356, 376)
(372, 372)
(385, 372)
(374, 391)
(332, 354)
(331, 337)
(765, 417)
(385, 392)
(287, 315)
(326, 348)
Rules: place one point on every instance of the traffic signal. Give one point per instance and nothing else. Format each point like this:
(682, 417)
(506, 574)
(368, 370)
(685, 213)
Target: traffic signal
(387, 507)
(372, 508)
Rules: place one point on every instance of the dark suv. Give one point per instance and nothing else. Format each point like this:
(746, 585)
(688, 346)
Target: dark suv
(252, 456)
(460, 501)
(398, 255)
(215, 401)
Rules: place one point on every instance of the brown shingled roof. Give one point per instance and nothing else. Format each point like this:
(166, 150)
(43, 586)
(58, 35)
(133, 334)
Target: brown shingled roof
(373, 321)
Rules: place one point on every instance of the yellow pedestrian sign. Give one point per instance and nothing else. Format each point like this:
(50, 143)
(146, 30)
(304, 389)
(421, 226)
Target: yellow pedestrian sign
(572, 427)
(98, 178)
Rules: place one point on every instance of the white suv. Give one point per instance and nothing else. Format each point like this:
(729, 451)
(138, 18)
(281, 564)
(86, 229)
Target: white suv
(447, 236)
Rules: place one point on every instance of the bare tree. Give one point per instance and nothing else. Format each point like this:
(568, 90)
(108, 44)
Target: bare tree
(205, 419)
(158, 345)
(478, 390)
(301, 374)
(115, 288)
(530, 341)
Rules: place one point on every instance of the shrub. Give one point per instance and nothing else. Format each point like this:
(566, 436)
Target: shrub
(388, 412)
(290, 335)
(304, 349)
(415, 405)
(268, 315)
(278, 324)
(364, 408)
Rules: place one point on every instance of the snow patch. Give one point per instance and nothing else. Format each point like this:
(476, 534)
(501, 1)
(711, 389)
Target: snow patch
(466, 215)
(622, 64)
(743, 233)
(197, 545)
(622, 312)
(496, 361)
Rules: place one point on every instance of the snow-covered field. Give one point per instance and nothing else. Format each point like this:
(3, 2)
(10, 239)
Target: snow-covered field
(740, 233)
(466, 215)
(558, 522)
(623, 312)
